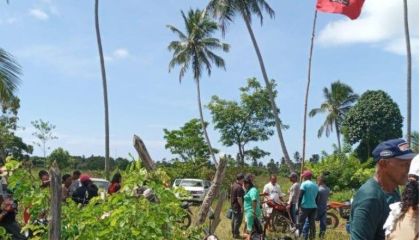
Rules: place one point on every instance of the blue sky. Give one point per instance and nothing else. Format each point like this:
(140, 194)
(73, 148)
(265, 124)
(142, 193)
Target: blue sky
(55, 43)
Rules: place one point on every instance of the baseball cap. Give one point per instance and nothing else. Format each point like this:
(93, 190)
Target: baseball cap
(306, 173)
(84, 178)
(394, 148)
(415, 166)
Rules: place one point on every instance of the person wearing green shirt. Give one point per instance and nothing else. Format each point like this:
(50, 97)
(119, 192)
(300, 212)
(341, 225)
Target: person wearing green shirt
(370, 207)
(252, 206)
(307, 204)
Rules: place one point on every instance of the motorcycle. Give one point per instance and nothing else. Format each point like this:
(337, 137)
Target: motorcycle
(186, 219)
(343, 209)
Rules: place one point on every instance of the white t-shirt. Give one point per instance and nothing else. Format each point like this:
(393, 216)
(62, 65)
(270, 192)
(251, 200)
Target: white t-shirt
(273, 191)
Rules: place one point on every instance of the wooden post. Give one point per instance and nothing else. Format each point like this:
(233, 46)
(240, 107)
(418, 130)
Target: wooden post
(143, 154)
(219, 205)
(213, 191)
(55, 185)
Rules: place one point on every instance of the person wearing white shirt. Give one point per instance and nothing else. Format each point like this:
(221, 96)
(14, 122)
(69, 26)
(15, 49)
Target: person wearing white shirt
(271, 192)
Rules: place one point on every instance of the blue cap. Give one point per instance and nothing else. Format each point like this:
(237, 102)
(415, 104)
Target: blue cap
(394, 148)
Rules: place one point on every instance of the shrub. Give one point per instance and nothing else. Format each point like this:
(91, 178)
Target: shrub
(344, 171)
(119, 216)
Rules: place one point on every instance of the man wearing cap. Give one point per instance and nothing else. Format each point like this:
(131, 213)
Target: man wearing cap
(307, 204)
(370, 206)
(293, 196)
(87, 191)
(236, 199)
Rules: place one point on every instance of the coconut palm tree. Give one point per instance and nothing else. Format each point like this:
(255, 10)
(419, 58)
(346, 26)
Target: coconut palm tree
(338, 100)
(9, 76)
(104, 86)
(194, 49)
(408, 47)
(225, 11)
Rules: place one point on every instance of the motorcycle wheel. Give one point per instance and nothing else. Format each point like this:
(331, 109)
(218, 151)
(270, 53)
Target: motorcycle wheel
(281, 224)
(332, 220)
(185, 222)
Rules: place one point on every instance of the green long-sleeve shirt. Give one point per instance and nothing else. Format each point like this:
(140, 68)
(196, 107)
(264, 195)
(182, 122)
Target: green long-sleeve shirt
(370, 210)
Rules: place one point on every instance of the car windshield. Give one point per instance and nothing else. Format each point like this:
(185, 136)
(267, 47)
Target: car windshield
(191, 183)
(177, 181)
(101, 184)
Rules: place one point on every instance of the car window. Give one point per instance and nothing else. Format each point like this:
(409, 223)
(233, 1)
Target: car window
(191, 183)
(176, 182)
(101, 184)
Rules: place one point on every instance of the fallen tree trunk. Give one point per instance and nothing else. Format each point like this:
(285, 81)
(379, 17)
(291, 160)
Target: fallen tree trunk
(141, 149)
(213, 192)
(217, 212)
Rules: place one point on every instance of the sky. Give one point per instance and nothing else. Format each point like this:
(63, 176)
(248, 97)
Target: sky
(55, 43)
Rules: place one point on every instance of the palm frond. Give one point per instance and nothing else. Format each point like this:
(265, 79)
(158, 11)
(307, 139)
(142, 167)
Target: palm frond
(9, 75)
(181, 35)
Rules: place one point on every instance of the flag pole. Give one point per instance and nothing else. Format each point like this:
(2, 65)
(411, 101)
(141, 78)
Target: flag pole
(407, 43)
(305, 111)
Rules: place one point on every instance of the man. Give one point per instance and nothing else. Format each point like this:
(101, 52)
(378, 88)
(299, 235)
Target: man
(321, 202)
(307, 204)
(236, 199)
(8, 219)
(87, 191)
(370, 206)
(271, 192)
(75, 182)
(66, 182)
(45, 178)
(293, 196)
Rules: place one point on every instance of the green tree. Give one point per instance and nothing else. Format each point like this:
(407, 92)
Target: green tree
(61, 156)
(225, 11)
(250, 120)
(415, 141)
(194, 49)
(44, 134)
(254, 154)
(104, 86)
(338, 101)
(10, 144)
(373, 119)
(272, 167)
(9, 76)
(188, 142)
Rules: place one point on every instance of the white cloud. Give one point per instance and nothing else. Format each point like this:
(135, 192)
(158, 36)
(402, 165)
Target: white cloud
(119, 53)
(38, 14)
(68, 61)
(381, 23)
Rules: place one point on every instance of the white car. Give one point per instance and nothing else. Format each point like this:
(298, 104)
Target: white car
(101, 183)
(198, 188)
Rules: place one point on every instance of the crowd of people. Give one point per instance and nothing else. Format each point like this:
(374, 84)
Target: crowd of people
(78, 187)
(378, 210)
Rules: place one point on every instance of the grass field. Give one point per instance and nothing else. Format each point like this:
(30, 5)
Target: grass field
(223, 231)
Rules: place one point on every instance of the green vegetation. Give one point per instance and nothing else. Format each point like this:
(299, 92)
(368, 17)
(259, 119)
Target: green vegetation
(195, 48)
(240, 124)
(338, 101)
(374, 118)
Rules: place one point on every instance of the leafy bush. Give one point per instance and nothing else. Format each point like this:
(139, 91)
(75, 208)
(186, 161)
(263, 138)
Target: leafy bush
(119, 216)
(345, 172)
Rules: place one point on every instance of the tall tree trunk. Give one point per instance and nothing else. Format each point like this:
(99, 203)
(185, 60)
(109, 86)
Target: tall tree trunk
(407, 43)
(213, 191)
(337, 129)
(203, 124)
(270, 93)
(240, 155)
(305, 108)
(104, 86)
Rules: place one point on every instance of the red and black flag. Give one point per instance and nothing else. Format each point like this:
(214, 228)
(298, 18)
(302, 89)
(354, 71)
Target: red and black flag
(350, 8)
